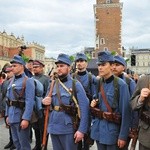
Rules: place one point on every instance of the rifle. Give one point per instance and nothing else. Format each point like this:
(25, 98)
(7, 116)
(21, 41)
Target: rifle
(46, 118)
(73, 70)
(50, 71)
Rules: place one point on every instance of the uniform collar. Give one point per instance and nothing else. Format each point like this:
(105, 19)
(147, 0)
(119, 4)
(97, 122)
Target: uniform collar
(81, 73)
(38, 75)
(63, 78)
(110, 79)
(18, 76)
(121, 76)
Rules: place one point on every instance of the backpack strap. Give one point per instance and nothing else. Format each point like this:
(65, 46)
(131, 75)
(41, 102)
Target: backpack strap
(73, 97)
(90, 81)
(116, 93)
(75, 75)
(20, 95)
(23, 86)
(74, 91)
(58, 92)
(127, 79)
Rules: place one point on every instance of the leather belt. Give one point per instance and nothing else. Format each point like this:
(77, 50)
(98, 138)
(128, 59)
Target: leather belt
(19, 104)
(57, 108)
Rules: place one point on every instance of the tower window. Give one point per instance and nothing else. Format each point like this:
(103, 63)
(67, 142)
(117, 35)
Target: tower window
(108, 1)
(102, 41)
(105, 48)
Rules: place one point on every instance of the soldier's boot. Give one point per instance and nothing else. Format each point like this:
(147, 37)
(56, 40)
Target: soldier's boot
(8, 145)
(37, 147)
(12, 147)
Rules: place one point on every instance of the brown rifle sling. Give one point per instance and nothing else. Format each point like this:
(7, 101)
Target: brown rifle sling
(70, 92)
(105, 99)
(58, 92)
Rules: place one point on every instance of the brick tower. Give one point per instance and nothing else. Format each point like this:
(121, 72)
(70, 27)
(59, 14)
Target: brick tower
(108, 18)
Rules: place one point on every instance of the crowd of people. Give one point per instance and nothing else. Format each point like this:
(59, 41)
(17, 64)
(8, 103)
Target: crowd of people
(109, 109)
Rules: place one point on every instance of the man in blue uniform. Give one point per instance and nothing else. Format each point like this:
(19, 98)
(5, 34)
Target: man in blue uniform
(88, 82)
(110, 127)
(83, 76)
(19, 108)
(60, 121)
(38, 70)
(118, 68)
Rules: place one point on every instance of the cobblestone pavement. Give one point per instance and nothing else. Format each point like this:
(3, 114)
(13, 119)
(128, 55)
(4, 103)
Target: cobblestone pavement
(4, 138)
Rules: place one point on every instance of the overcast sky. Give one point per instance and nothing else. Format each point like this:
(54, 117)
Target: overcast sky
(68, 25)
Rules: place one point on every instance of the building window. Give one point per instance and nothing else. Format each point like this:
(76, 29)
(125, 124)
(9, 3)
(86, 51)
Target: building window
(108, 1)
(97, 46)
(105, 48)
(140, 63)
(102, 41)
(5, 53)
(93, 55)
(145, 63)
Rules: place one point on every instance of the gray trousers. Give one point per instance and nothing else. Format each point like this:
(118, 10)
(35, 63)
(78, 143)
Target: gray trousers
(141, 147)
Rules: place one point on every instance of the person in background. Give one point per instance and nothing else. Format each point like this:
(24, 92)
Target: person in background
(2, 79)
(9, 74)
(29, 66)
(38, 70)
(87, 80)
(119, 67)
(140, 101)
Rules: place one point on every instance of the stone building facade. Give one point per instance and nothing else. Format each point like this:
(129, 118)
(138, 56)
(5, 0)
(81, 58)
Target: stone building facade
(10, 45)
(141, 61)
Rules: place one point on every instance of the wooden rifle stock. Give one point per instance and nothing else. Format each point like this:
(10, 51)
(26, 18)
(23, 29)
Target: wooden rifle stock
(134, 139)
(46, 117)
(133, 144)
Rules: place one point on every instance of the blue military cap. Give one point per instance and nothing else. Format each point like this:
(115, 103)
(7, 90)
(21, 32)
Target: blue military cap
(119, 59)
(63, 58)
(104, 56)
(18, 59)
(80, 56)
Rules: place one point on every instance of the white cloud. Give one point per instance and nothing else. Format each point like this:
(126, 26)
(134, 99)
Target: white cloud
(68, 26)
(136, 29)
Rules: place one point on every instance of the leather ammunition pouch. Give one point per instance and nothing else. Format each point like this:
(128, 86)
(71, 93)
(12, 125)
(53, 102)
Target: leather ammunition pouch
(145, 116)
(70, 110)
(112, 117)
(16, 103)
